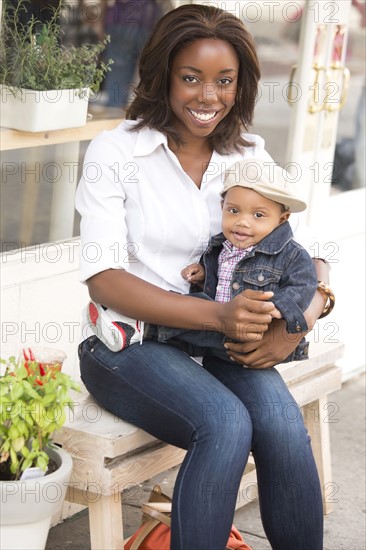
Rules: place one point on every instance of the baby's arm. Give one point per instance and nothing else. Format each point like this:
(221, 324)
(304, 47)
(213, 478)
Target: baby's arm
(296, 290)
(194, 273)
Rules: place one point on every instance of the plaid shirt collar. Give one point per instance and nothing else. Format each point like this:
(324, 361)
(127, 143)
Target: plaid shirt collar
(230, 251)
(272, 244)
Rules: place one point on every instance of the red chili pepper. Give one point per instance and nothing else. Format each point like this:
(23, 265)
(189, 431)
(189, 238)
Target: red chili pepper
(31, 355)
(25, 355)
(39, 382)
(41, 369)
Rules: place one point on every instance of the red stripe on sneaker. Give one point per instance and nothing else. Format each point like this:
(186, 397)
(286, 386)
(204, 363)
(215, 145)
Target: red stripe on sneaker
(123, 334)
(93, 313)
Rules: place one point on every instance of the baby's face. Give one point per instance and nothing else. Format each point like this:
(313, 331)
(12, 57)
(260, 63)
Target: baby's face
(248, 217)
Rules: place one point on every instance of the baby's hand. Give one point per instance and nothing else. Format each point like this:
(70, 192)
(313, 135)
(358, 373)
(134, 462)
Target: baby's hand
(194, 273)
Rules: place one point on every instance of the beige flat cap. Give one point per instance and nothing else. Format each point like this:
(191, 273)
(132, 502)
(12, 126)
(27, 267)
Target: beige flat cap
(267, 179)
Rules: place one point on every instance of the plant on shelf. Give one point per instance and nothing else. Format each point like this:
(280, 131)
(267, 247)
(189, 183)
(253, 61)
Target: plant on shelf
(32, 55)
(45, 84)
(34, 400)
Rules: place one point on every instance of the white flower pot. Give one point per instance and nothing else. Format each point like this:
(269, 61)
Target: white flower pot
(41, 111)
(27, 507)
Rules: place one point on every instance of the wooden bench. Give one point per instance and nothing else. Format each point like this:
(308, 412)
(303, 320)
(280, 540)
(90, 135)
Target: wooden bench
(109, 454)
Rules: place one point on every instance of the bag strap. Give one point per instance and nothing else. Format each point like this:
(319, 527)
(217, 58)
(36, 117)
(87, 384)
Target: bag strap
(144, 531)
(158, 514)
(163, 507)
(157, 495)
(154, 512)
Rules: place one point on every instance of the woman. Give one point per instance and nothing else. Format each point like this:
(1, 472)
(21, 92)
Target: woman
(149, 200)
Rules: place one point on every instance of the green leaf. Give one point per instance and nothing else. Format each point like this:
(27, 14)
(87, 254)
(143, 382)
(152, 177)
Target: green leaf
(22, 372)
(38, 413)
(14, 462)
(29, 420)
(25, 452)
(18, 444)
(31, 391)
(53, 427)
(35, 445)
(13, 432)
(62, 419)
(5, 447)
(48, 398)
(4, 389)
(42, 462)
(27, 463)
(16, 391)
(44, 454)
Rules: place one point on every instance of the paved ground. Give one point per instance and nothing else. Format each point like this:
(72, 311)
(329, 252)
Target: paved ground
(344, 527)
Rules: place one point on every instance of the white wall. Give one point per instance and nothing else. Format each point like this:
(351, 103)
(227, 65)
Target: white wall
(42, 299)
(341, 240)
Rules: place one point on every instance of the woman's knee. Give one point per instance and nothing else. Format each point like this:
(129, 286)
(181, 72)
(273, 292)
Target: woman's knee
(226, 424)
(275, 415)
(278, 424)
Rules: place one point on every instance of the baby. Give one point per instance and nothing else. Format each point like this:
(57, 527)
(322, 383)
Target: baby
(255, 250)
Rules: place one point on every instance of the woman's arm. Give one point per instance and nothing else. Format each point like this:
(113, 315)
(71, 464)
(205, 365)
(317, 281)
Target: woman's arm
(316, 307)
(276, 343)
(246, 317)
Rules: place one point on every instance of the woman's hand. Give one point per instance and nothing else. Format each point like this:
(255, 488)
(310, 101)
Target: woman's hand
(273, 348)
(276, 343)
(247, 316)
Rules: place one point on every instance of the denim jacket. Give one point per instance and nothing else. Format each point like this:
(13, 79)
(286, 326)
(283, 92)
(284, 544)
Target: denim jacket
(277, 263)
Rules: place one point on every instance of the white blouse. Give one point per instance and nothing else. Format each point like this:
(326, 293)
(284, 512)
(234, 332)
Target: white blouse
(141, 212)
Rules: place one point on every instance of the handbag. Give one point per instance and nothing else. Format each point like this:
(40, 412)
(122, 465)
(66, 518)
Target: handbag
(154, 533)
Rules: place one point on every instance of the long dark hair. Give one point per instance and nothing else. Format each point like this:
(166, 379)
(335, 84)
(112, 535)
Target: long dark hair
(176, 30)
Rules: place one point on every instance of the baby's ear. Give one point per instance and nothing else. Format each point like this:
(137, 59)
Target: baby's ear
(284, 217)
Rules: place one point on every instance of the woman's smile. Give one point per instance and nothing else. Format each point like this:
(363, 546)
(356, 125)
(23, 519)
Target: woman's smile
(203, 117)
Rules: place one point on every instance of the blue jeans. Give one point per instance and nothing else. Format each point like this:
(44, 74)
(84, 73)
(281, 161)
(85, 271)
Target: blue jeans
(201, 342)
(218, 412)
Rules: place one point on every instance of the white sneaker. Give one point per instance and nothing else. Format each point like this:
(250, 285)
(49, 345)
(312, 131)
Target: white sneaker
(116, 335)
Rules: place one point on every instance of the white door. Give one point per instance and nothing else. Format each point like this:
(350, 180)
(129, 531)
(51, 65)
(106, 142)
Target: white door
(319, 91)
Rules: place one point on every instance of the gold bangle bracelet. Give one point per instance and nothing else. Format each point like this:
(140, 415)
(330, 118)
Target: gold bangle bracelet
(327, 292)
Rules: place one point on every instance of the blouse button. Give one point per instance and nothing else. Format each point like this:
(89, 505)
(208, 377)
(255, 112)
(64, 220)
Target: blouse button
(260, 277)
(298, 328)
(236, 285)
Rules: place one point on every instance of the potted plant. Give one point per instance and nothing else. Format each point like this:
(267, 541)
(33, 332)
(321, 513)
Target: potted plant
(33, 472)
(45, 85)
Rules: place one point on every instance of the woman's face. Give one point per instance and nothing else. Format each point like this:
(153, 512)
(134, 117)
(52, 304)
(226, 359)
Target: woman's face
(203, 86)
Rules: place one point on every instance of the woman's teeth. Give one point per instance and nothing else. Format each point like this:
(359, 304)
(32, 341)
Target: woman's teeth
(204, 117)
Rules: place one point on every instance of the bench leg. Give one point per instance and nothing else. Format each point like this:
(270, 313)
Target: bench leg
(105, 521)
(315, 416)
